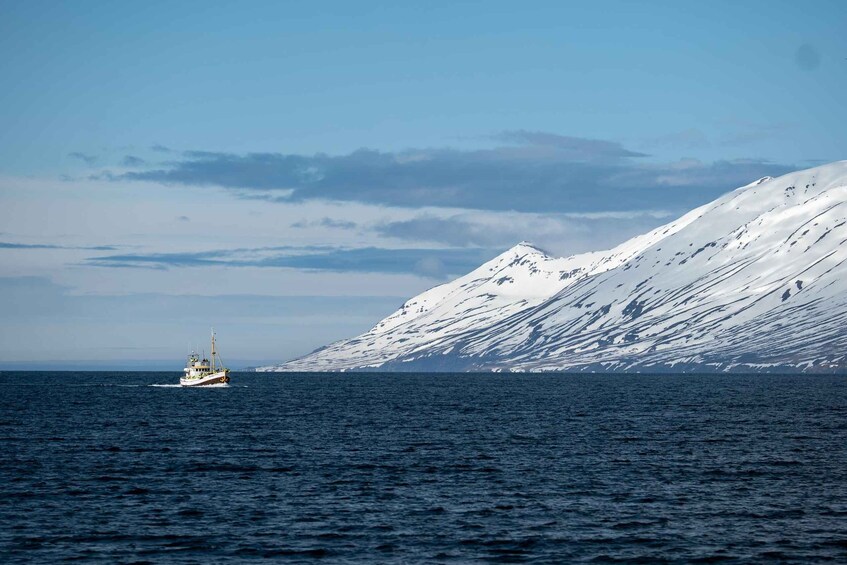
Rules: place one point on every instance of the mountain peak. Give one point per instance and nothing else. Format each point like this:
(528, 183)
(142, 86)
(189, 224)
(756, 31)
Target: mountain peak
(527, 247)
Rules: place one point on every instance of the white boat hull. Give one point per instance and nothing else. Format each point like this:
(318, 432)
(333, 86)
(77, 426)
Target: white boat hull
(221, 378)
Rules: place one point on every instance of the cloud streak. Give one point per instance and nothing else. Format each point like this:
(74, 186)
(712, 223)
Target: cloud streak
(11, 245)
(85, 158)
(330, 223)
(562, 233)
(132, 161)
(533, 172)
(432, 263)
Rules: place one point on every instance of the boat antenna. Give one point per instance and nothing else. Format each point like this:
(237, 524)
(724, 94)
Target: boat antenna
(213, 350)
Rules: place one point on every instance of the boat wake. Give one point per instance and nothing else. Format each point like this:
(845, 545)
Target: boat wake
(222, 385)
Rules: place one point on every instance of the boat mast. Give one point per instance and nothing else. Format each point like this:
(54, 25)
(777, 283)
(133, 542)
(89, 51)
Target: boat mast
(213, 350)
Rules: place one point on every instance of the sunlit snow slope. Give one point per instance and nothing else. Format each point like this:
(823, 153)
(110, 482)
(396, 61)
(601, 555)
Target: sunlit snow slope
(752, 281)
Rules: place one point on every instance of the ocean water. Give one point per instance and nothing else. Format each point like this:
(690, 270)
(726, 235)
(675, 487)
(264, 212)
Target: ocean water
(109, 467)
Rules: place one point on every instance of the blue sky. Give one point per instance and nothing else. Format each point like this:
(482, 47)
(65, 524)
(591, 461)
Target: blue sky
(349, 155)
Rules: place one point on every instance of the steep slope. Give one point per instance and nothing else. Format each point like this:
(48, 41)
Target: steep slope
(755, 279)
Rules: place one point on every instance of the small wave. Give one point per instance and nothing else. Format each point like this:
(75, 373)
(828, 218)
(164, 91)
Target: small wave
(170, 385)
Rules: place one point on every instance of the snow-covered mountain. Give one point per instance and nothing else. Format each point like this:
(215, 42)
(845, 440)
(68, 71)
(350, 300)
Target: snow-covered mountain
(754, 280)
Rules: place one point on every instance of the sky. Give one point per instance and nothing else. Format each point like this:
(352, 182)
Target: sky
(290, 173)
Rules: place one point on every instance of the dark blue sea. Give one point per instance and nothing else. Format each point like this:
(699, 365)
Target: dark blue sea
(114, 467)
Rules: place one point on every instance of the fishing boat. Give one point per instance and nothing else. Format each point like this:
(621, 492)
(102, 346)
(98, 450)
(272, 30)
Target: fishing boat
(205, 372)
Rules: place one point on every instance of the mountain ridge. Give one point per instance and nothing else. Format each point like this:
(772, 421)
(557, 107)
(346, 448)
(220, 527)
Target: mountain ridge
(753, 280)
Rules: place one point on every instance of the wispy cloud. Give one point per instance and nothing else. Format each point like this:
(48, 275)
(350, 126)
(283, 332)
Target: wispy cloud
(84, 157)
(331, 223)
(9, 245)
(434, 263)
(12, 245)
(537, 172)
(561, 233)
(132, 161)
(453, 230)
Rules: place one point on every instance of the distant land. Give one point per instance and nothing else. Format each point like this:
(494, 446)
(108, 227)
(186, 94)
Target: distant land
(754, 281)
